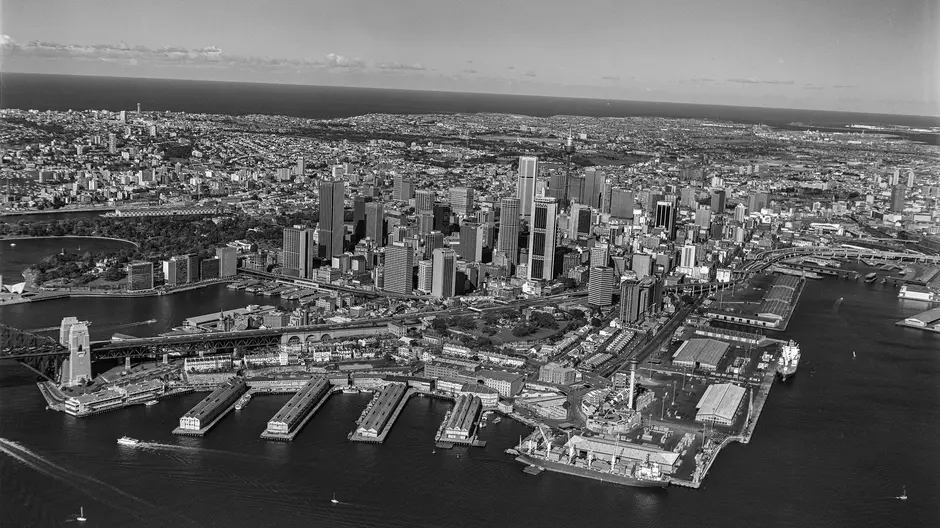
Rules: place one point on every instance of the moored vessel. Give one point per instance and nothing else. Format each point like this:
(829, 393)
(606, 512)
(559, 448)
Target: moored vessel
(151, 402)
(243, 401)
(789, 360)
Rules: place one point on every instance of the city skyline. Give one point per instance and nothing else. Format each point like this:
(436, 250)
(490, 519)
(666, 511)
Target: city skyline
(857, 56)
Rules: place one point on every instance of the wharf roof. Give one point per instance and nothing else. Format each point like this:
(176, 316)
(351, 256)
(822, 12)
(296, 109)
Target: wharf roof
(704, 351)
(721, 400)
(925, 318)
(622, 450)
(774, 309)
(295, 406)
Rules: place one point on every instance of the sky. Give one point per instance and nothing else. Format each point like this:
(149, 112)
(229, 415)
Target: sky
(879, 56)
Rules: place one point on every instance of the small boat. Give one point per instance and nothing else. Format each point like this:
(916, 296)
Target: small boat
(128, 441)
(853, 354)
(81, 515)
(497, 420)
(151, 402)
(903, 495)
(12, 244)
(333, 500)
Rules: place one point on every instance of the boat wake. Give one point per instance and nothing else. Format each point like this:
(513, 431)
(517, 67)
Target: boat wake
(103, 492)
(158, 446)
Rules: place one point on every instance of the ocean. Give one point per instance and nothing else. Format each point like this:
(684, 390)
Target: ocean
(832, 448)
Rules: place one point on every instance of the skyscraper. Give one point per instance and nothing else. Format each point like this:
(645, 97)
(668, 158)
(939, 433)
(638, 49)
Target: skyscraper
(424, 202)
(718, 201)
(630, 311)
(425, 275)
(140, 276)
(508, 240)
(228, 261)
(740, 212)
(403, 188)
(600, 255)
(399, 268)
(299, 251)
(601, 286)
(898, 193)
(461, 200)
(359, 219)
(687, 258)
(525, 185)
(432, 241)
(666, 217)
(542, 239)
(332, 230)
(471, 242)
(375, 223)
(580, 224)
(592, 193)
(445, 273)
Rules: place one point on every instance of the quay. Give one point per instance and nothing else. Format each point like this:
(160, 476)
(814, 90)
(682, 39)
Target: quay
(381, 413)
(461, 424)
(824, 270)
(210, 411)
(295, 414)
(928, 321)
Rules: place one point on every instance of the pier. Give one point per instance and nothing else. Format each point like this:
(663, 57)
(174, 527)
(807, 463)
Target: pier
(210, 411)
(381, 413)
(461, 424)
(824, 270)
(295, 414)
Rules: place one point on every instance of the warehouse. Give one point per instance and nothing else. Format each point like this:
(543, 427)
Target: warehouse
(700, 353)
(720, 404)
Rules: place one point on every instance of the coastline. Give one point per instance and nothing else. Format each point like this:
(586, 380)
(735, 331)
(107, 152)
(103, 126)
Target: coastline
(27, 237)
(58, 211)
(48, 295)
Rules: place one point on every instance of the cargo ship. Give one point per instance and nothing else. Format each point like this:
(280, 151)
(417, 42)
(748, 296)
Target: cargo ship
(789, 360)
(644, 476)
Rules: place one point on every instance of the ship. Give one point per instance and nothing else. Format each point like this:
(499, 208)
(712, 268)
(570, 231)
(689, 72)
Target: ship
(128, 441)
(871, 277)
(789, 360)
(151, 402)
(644, 476)
(243, 401)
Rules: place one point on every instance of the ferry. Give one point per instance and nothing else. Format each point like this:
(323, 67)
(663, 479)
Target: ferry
(497, 420)
(128, 441)
(151, 402)
(871, 277)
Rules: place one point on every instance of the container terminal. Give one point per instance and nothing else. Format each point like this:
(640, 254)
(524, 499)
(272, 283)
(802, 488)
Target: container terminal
(380, 414)
(461, 424)
(205, 414)
(301, 407)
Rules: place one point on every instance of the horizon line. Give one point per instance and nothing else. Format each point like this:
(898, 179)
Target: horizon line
(413, 90)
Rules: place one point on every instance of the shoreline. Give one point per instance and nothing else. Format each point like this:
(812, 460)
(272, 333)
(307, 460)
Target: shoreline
(27, 237)
(57, 211)
(66, 294)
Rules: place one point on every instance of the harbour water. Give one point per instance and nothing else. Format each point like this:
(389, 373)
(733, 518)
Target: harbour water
(834, 446)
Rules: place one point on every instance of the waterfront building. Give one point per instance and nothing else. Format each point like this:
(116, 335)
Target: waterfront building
(508, 384)
(375, 223)
(299, 250)
(295, 410)
(332, 231)
(601, 286)
(228, 261)
(444, 269)
(508, 239)
(207, 410)
(399, 266)
(525, 185)
(462, 420)
(209, 269)
(461, 200)
(700, 353)
(542, 239)
(720, 404)
(140, 276)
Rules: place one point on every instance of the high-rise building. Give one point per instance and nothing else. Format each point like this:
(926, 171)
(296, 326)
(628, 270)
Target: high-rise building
(399, 268)
(299, 169)
(898, 193)
(703, 216)
(461, 200)
(642, 265)
(432, 241)
(140, 276)
(601, 286)
(471, 242)
(424, 202)
(508, 239)
(592, 192)
(666, 218)
(757, 201)
(112, 144)
(445, 273)
(621, 203)
(600, 255)
(687, 258)
(718, 201)
(403, 188)
(299, 251)
(359, 219)
(541, 264)
(740, 212)
(332, 231)
(425, 223)
(632, 305)
(375, 223)
(425, 275)
(228, 261)
(580, 223)
(525, 185)
(910, 179)
(210, 268)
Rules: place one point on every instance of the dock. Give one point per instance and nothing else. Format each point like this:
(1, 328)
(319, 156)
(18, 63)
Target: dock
(210, 411)
(294, 415)
(381, 413)
(461, 424)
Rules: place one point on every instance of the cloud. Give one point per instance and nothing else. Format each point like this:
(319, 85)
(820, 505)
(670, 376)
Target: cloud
(529, 74)
(469, 62)
(511, 67)
(338, 61)
(470, 71)
(610, 78)
(399, 66)
(7, 42)
(843, 86)
(754, 80)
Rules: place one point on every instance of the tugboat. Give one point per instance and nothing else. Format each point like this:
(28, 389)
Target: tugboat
(789, 360)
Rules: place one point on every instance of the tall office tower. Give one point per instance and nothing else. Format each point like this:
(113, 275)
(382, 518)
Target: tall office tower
(123, 116)
(138, 108)
(718, 201)
(299, 251)
(600, 254)
(642, 265)
(425, 275)
(757, 201)
(621, 203)
(605, 197)
(359, 219)
(140, 276)
(425, 223)
(687, 258)
(575, 187)
(442, 217)
(399, 268)
(192, 266)
(687, 197)
(740, 212)
(592, 194)
(703, 216)
(403, 189)
(897, 198)
(910, 179)
(112, 143)
(666, 218)
(444, 282)
(299, 169)
(332, 230)
(461, 200)
(424, 202)
(508, 240)
(557, 186)
(228, 261)
(601, 286)
(895, 178)
(471, 242)
(580, 223)
(525, 185)
(375, 223)
(630, 311)
(432, 241)
(542, 239)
